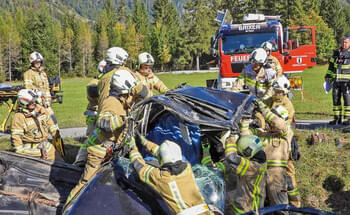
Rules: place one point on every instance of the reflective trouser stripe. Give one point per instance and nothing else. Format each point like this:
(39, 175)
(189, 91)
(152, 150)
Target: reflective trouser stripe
(343, 76)
(293, 192)
(281, 163)
(347, 111)
(337, 110)
(176, 195)
(198, 209)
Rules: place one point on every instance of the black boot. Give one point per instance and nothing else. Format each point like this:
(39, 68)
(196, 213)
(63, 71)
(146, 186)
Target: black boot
(337, 121)
(346, 122)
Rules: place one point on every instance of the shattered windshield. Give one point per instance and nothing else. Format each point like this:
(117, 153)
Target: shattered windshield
(246, 43)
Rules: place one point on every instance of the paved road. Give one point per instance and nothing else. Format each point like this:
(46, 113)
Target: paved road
(65, 132)
(300, 124)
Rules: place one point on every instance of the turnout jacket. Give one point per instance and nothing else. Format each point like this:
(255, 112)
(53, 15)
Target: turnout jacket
(151, 81)
(339, 66)
(259, 84)
(180, 191)
(37, 79)
(275, 64)
(31, 128)
(276, 139)
(251, 179)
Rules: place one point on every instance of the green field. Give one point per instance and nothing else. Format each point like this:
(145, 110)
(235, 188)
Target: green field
(322, 172)
(316, 104)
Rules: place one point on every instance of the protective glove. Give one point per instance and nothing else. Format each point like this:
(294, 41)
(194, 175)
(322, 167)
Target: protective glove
(261, 107)
(206, 147)
(139, 90)
(105, 125)
(90, 119)
(141, 139)
(130, 143)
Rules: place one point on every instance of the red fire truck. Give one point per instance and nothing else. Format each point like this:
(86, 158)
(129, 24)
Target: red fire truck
(294, 47)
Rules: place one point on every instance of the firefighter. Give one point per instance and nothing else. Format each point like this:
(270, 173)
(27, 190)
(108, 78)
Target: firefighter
(174, 180)
(257, 76)
(276, 140)
(272, 60)
(116, 58)
(248, 160)
(30, 127)
(92, 97)
(110, 124)
(144, 74)
(338, 76)
(90, 114)
(36, 78)
(281, 88)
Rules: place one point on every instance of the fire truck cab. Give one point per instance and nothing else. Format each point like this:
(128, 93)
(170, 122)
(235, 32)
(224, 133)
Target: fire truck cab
(234, 43)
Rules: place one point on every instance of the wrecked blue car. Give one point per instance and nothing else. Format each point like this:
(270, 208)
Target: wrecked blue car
(187, 115)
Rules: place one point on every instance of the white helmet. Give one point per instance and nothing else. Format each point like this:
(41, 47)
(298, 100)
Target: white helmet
(282, 83)
(169, 152)
(101, 66)
(116, 56)
(122, 81)
(258, 56)
(267, 45)
(36, 57)
(145, 58)
(280, 111)
(26, 96)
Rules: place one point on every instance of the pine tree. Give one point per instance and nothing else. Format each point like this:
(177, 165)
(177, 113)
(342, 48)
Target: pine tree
(333, 14)
(165, 13)
(83, 49)
(68, 48)
(132, 42)
(199, 20)
(123, 13)
(142, 24)
(2, 70)
(40, 35)
(159, 43)
(11, 44)
(119, 32)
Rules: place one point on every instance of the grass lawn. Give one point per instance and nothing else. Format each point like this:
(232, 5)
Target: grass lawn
(322, 171)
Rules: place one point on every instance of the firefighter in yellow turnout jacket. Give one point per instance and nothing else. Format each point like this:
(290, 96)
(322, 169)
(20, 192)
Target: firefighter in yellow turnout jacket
(258, 76)
(174, 180)
(116, 58)
(36, 79)
(30, 127)
(277, 148)
(90, 114)
(146, 76)
(248, 160)
(110, 124)
(272, 60)
(281, 88)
